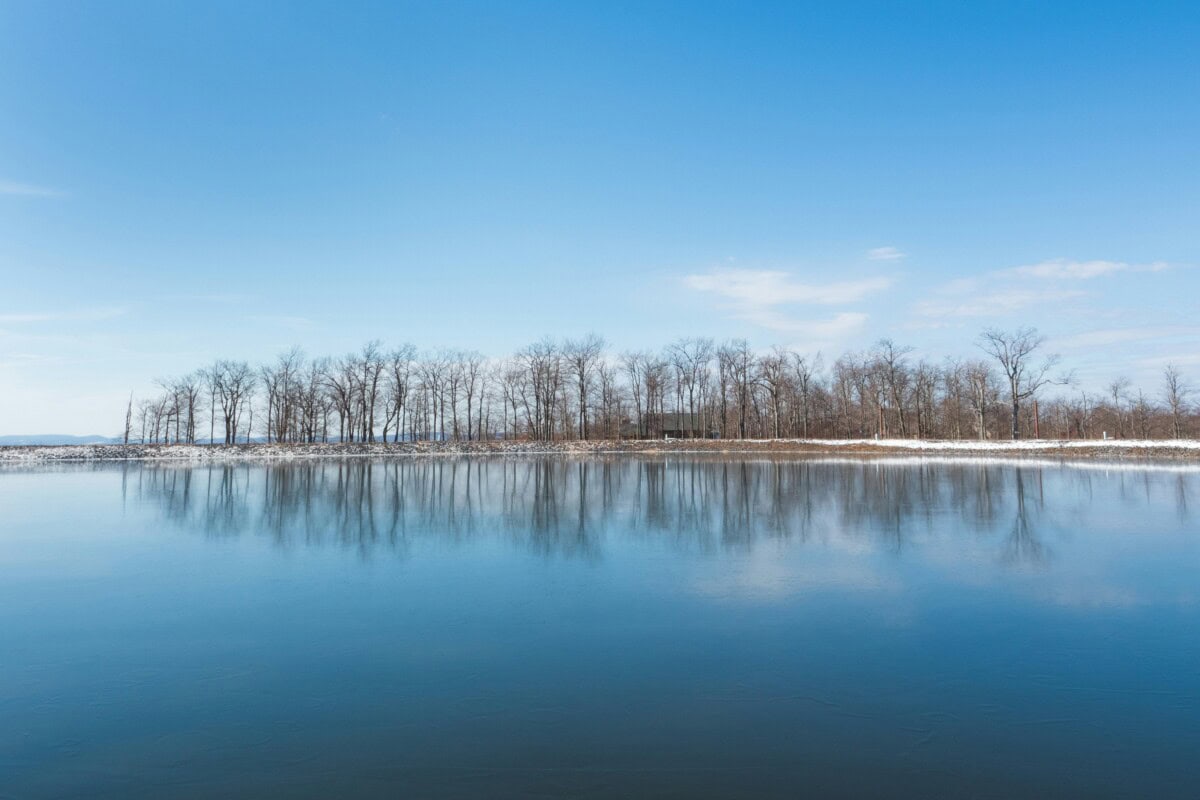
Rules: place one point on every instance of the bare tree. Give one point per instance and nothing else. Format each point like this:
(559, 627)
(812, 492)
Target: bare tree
(635, 372)
(342, 384)
(1118, 391)
(371, 365)
(233, 383)
(1015, 351)
(691, 359)
(773, 373)
(543, 364)
(737, 361)
(892, 365)
(610, 400)
(656, 380)
(399, 381)
(581, 357)
(513, 390)
(315, 401)
(473, 376)
(279, 382)
(128, 420)
(189, 389)
(982, 394)
(925, 381)
(803, 377)
(1176, 392)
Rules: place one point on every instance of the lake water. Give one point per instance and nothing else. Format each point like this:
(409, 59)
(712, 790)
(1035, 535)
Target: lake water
(600, 628)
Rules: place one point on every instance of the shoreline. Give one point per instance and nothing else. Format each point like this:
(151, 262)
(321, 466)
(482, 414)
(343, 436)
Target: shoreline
(1112, 449)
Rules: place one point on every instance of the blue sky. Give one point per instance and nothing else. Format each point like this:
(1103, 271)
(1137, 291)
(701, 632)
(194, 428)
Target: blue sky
(182, 182)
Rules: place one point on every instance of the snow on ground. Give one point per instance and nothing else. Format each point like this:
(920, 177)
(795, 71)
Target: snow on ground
(1099, 463)
(1025, 444)
(1090, 449)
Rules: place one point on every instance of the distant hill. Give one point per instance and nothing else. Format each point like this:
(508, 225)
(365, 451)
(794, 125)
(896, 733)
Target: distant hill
(54, 438)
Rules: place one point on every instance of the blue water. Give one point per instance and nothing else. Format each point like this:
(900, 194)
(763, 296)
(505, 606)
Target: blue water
(600, 628)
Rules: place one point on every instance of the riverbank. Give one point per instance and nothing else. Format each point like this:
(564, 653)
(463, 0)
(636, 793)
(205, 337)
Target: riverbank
(1111, 449)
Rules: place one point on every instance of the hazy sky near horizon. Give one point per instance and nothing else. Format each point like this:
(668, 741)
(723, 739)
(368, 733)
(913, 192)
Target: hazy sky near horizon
(185, 182)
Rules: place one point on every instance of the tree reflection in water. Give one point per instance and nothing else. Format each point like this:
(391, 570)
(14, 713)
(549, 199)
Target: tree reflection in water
(1024, 544)
(566, 507)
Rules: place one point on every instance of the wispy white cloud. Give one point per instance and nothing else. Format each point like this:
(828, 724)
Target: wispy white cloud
(1007, 291)
(888, 253)
(994, 303)
(775, 288)
(1188, 358)
(84, 315)
(222, 298)
(27, 189)
(761, 297)
(11, 360)
(1118, 336)
(283, 321)
(1067, 269)
(836, 326)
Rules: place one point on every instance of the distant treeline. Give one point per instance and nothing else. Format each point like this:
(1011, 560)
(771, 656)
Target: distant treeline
(577, 389)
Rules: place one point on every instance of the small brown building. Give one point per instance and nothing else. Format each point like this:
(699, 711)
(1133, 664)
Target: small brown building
(670, 426)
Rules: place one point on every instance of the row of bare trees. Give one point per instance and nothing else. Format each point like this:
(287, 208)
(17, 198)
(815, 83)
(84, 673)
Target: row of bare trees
(576, 389)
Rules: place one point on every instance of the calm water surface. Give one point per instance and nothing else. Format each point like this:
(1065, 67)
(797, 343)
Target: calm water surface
(563, 628)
